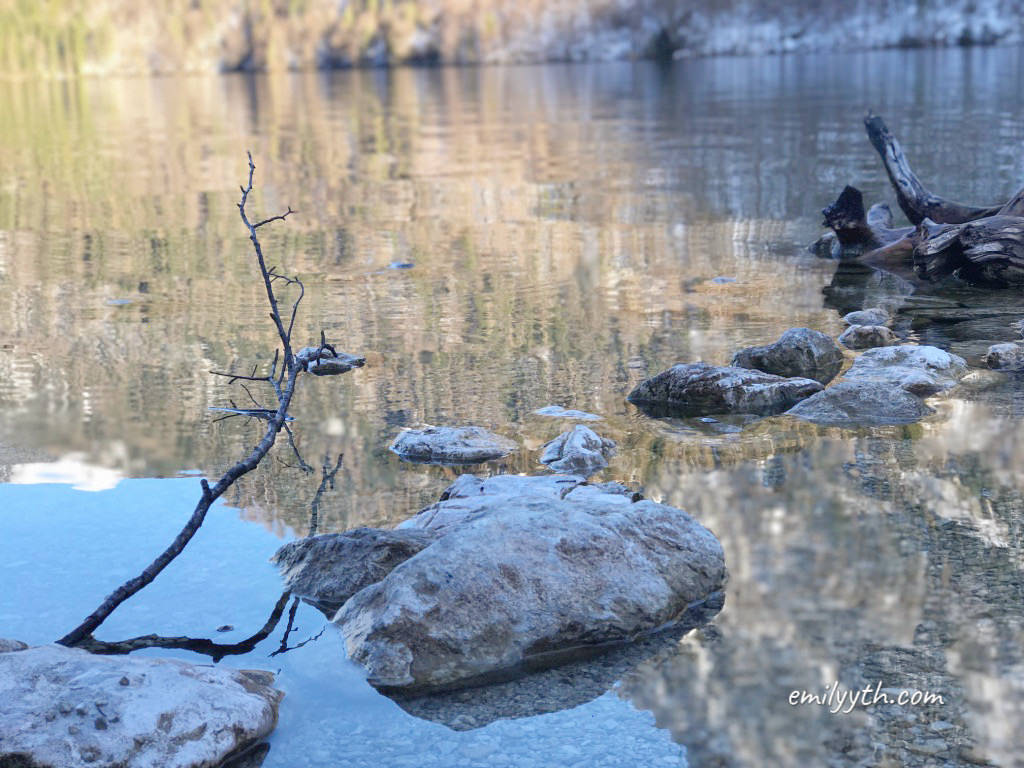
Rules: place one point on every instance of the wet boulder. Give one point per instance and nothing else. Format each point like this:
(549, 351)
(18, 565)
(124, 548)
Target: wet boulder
(528, 572)
(872, 316)
(451, 445)
(700, 389)
(885, 385)
(69, 708)
(1005, 357)
(580, 451)
(799, 353)
(867, 336)
(327, 570)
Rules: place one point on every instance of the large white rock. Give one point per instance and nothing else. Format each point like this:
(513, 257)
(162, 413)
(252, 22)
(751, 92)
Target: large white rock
(66, 708)
(528, 569)
(580, 451)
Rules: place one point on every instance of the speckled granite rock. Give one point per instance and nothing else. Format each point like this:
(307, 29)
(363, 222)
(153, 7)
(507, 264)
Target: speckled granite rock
(69, 708)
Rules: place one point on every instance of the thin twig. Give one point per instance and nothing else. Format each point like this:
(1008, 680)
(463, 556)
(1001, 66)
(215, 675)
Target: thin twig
(327, 480)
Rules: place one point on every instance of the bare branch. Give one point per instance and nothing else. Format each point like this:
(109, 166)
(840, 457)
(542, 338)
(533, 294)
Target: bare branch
(280, 217)
(275, 315)
(291, 441)
(216, 651)
(275, 422)
(327, 480)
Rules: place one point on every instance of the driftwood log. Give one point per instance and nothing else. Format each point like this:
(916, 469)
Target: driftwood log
(975, 243)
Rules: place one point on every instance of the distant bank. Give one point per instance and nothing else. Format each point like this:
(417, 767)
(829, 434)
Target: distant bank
(67, 37)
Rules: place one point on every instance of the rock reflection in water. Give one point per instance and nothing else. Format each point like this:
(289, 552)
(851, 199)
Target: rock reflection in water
(889, 558)
(556, 688)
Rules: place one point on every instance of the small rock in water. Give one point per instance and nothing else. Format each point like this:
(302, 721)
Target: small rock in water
(451, 445)
(225, 628)
(867, 336)
(872, 316)
(1005, 357)
(559, 412)
(799, 352)
(8, 646)
(580, 451)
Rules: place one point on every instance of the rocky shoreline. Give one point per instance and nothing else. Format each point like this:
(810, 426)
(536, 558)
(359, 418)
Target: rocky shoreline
(228, 36)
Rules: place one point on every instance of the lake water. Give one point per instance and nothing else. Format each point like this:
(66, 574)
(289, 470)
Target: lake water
(565, 225)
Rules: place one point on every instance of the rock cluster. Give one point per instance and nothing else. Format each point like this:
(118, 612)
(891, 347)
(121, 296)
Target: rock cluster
(885, 385)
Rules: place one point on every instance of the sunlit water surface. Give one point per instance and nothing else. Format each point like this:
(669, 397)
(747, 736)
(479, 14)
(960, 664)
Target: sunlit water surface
(565, 227)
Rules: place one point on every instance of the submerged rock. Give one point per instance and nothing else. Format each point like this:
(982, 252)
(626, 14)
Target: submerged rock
(327, 570)
(799, 353)
(69, 708)
(580, 451)
(451, 445)
(529, 570)
(884, 385)
(327, 364)
(697, 389)
(1005, 357)
(872, 316)
(867, 336)
(559, 412)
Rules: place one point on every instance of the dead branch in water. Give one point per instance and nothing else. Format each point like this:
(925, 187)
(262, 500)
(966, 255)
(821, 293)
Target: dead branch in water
(282, 381)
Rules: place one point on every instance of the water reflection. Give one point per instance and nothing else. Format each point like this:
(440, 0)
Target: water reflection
(565, 226)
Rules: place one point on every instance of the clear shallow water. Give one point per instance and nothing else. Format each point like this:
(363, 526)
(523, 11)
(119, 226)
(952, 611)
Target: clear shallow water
(565, 226)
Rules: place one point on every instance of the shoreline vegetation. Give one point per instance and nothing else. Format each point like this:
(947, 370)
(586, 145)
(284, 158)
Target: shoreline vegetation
(62, 38)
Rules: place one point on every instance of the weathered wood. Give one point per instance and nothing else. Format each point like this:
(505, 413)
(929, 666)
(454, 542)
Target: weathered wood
(855, 228)
(916, 201)
(989, 251)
